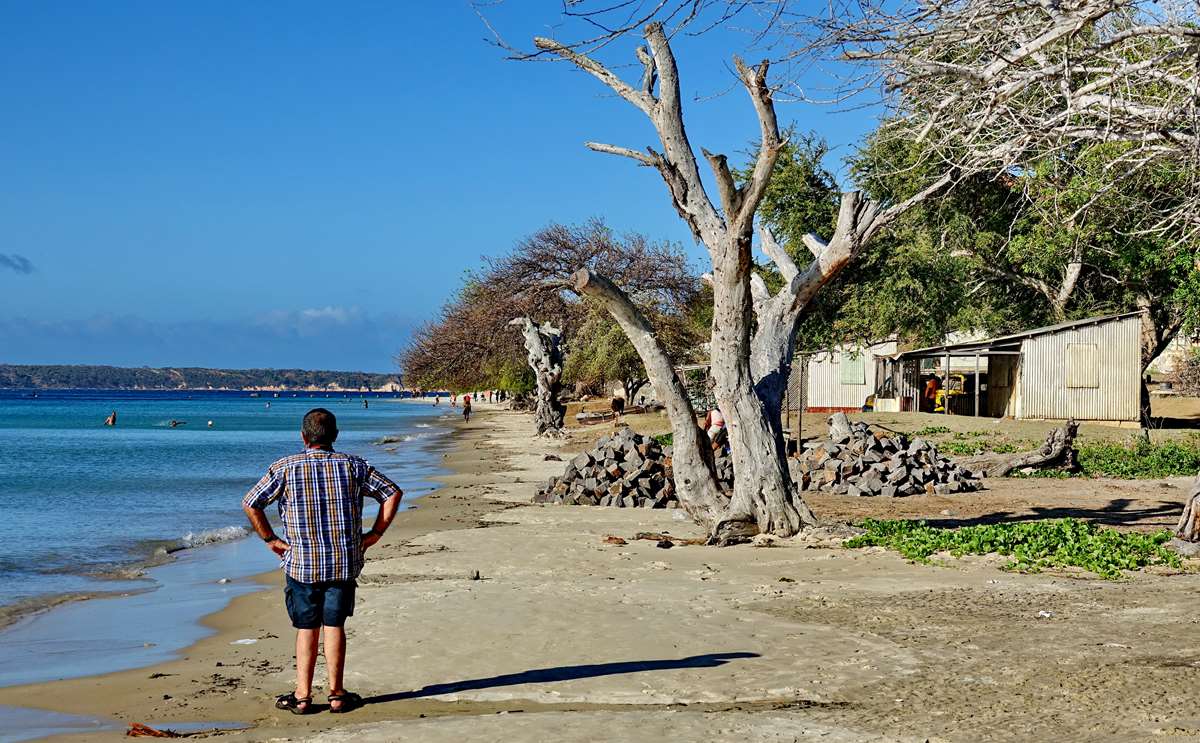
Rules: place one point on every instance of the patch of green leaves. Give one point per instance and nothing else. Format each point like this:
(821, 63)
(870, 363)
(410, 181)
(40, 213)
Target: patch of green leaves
(1140, 460)
(977, 446)
(664, 439)
(931, 430)
(1033, 545)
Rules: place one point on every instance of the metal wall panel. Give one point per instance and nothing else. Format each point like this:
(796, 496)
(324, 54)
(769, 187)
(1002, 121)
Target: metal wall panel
(1044, 390)
(825, 389)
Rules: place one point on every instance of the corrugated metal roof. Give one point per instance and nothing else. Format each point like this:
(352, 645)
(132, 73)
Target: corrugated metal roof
(1006, 344)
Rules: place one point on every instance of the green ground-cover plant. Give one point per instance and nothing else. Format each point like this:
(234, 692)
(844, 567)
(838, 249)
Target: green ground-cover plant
(1140, 460)
(1033, 545)
(931, 430)
(664, 439)
(978, 446)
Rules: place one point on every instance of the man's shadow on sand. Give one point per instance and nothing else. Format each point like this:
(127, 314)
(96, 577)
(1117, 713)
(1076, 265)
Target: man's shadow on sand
(563, 673)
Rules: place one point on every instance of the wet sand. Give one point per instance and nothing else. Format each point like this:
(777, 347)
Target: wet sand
(567, 636)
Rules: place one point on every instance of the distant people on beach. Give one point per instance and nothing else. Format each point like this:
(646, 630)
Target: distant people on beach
(454, 399)
(466, 408)
(322, 557)
(111, 420)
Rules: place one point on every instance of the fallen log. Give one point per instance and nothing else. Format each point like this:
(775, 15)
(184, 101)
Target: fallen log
(1188, 528)
(1057, 451)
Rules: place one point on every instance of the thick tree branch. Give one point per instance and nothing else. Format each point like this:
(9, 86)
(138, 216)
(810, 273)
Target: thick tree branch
(697, 490)
(677, 163)
(755, 80)
(783, 262)
(640, 99)
(612, 149)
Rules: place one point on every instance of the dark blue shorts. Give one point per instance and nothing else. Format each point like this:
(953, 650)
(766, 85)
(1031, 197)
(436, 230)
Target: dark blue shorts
(311, 605)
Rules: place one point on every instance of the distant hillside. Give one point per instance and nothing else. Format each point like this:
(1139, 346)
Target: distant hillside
(145, 378)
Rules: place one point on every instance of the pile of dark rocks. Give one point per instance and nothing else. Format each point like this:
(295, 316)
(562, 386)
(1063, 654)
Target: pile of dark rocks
(856, 461)
(624, 470)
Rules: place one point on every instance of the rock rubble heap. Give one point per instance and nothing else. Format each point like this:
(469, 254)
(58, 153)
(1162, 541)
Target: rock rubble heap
(854, 460)
(625, 470)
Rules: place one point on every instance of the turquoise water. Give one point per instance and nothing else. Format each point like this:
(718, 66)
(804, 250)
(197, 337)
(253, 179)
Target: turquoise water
(78, 499)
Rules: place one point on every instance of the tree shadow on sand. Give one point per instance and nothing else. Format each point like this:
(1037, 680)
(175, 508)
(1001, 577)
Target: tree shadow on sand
(1116, 513)
(563, 673)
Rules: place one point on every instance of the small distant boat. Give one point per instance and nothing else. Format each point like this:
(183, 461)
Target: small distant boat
(254, 394)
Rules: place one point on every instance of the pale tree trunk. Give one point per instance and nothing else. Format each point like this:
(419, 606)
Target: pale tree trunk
(545, 358)
(747, 392)
(1156, 334)
(692, 457)
(763, 492)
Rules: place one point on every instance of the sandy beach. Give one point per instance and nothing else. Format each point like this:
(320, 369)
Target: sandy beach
(570, 635)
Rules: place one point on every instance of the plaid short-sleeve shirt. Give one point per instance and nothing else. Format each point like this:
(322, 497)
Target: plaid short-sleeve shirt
(320, 494)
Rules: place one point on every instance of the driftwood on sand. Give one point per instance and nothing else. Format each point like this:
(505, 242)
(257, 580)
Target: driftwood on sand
(1057, 451)
(1188, 528)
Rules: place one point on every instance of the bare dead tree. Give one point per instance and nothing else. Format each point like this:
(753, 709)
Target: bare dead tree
(543, 344)
(750, 368)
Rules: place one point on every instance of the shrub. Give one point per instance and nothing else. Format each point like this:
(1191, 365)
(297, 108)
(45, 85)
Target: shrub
(1033, 545)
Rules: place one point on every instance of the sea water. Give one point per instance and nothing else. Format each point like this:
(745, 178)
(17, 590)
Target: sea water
(80, 501)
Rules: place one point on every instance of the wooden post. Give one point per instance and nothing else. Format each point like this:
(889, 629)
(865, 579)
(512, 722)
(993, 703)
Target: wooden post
(946, 386)
(976, 384)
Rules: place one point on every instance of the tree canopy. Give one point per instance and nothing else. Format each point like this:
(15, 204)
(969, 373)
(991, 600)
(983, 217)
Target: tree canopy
(471, 346)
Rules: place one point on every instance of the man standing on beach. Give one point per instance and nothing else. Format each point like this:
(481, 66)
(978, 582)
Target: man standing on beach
(320, 494)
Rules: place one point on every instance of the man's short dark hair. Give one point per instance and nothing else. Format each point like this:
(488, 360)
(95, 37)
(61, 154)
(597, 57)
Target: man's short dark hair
(320, 427)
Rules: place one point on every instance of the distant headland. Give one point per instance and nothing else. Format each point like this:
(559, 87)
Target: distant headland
(33, 376)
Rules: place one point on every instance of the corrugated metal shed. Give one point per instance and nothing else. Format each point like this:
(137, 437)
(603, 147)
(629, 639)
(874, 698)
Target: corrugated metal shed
(1086, 372)
(1084, 369)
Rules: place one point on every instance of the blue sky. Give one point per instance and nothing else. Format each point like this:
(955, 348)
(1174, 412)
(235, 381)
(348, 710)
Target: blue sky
(298, 184)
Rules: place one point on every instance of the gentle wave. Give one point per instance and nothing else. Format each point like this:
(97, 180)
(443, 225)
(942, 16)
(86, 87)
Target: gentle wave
(213, 536)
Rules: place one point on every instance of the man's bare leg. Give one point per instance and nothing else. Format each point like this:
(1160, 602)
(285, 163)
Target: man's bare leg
(335, 659)
(306, 660)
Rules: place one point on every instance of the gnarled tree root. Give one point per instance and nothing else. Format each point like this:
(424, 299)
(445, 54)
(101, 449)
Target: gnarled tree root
(1188, 528)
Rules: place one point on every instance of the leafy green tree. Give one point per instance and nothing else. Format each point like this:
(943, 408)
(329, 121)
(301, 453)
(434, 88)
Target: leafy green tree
(471, 346)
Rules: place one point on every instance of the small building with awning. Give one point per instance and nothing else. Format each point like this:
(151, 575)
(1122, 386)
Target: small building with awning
(1084, 369)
